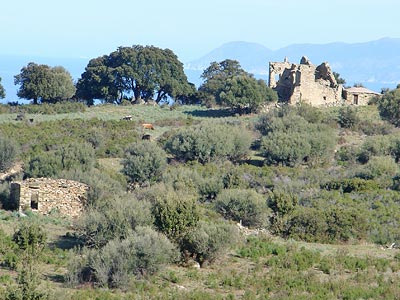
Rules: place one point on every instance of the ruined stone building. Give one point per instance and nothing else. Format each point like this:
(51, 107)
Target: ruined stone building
(305, 82)
(358, 95)
(45, 195)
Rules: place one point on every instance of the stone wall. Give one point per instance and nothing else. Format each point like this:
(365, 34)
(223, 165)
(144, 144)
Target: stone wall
(305, 83)
(359, 96)
(45, 195)
(275, 71)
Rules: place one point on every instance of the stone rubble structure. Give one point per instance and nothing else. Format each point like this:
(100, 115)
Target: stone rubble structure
(45, 195)
(305, 82)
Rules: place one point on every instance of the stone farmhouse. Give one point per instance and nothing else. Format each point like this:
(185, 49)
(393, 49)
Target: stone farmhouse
(358, 95)
(45, 195)
(315, 85)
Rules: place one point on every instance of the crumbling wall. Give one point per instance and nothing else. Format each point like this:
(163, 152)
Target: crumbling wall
(45, 195)
(305, 82)
(276, 70)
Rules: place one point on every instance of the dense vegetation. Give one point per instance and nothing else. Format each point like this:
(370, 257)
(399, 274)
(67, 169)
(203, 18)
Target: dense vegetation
(291, 203)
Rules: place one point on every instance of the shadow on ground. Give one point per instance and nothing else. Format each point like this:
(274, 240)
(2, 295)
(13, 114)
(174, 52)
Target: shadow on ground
(66, 242)
(211, 113)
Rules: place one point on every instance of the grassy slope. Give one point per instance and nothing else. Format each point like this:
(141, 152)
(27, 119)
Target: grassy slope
(231, 277)
(139, 113)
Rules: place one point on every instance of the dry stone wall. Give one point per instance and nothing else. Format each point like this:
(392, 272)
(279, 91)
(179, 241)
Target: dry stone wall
(45, 195)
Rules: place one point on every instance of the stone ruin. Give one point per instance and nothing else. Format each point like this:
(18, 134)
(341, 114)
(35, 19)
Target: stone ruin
(45, 195)
(305, 82)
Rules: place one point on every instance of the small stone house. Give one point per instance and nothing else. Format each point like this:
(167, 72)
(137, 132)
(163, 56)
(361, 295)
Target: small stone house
(358, 95)
(45, 195)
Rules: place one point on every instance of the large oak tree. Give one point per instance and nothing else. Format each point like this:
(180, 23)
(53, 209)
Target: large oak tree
(42, 83)
(135, 73)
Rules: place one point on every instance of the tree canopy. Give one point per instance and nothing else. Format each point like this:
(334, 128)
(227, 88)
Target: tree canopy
(226, 83)
(246, 94)
(42, 83)
(389, 106)
(134, 73)
(2, 91)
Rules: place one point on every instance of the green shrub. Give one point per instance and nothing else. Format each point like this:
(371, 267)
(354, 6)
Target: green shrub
(113, 218)
(370, 127)
(175, 212)
(346, 223)
(291, 140)
(346, 155)
(109, 138)
(379, 168)
(210, 187)
(30, 238)
(388, 106)
(209, 142)
(208, 241)
(31, 241)
(246, 206)
(144, 161)
(288, 149)
(348, 185)
(300, 260)
(140, 254)
(347, 117)
(181, 178)
(61, 107)
(8, 153)
(260, 246)
(375, 146)
(307, 224)
(8, 251)
(74, 156)
(282, 205)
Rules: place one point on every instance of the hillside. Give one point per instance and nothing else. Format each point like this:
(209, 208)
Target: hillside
(216, 211)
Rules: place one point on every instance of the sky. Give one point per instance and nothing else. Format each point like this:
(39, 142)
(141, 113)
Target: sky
(91, 28)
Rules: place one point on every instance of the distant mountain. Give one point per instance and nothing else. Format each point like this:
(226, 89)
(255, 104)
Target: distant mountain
(375, 64)
(250, 55)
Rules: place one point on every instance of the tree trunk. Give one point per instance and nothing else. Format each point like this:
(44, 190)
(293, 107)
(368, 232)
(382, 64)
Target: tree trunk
(160, 95)
(136, 93)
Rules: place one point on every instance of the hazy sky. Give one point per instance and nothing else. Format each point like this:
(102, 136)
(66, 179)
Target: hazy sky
(90, 28)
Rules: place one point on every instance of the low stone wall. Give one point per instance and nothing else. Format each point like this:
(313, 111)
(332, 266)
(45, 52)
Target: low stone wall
(45, 195)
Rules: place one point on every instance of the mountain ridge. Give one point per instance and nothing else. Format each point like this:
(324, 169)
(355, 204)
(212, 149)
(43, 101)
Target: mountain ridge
(376, 64)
